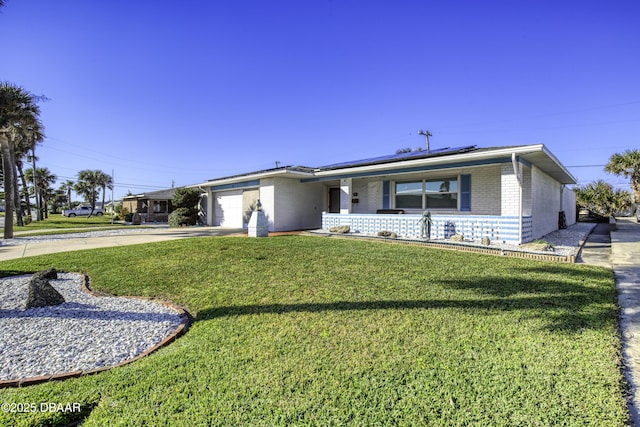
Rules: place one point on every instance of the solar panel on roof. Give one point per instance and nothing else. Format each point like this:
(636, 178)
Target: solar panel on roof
(401, 156)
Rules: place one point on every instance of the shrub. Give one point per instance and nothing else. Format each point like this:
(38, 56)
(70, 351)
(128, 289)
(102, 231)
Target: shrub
(182, 217)
(186, 198)
(186, 202)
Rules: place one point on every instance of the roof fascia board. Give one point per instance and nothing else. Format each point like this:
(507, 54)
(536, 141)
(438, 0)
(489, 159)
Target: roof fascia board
(560, 165)
(251, 178)
(236, 185)
(433, 167)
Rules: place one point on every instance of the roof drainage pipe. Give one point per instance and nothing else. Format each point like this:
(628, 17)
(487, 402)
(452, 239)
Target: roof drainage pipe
(518, 172)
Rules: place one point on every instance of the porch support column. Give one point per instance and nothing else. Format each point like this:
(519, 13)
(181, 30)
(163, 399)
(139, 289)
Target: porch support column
(511, 194)
(517, 170)
(210, 206)
(345, 196)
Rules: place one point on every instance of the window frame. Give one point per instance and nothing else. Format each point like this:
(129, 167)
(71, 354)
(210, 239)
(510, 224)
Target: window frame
(423, 181)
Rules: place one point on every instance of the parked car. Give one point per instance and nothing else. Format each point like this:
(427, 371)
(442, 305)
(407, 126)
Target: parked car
(82, 211)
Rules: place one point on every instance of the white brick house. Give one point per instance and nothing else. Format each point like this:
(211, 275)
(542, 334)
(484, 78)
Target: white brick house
(513, 194)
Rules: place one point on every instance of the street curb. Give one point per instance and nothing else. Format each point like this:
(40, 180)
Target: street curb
(185, 322)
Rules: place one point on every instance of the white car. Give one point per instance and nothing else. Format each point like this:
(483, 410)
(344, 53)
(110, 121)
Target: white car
(82, 211)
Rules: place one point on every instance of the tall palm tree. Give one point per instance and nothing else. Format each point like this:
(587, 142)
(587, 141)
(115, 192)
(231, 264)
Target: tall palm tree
(28, 138)
(88, 185)
(628, 165)
(17, 108)
(105, 181)
(67, 187)
(43, 179)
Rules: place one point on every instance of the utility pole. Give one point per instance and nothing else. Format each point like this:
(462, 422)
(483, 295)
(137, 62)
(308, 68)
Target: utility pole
(426, 134)
(113, 202)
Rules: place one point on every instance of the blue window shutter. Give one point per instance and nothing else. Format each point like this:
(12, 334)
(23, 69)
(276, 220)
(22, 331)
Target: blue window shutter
(386, 194)
(465, 193)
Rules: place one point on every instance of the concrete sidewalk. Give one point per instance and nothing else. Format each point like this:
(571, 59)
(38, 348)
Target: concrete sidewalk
(138, 237)
(625, 260)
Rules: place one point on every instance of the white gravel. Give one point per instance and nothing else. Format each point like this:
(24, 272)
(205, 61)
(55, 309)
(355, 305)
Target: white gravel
(85, 332)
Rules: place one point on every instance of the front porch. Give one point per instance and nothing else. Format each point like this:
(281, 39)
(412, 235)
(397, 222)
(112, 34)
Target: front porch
(473, 227)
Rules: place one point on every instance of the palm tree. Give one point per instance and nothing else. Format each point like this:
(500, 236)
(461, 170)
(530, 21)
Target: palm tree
(105, 181)
(27, 141)
(88, 185)
(600, 197)
(628, 165)
(67, 187)
(43, 179)
(17, 109)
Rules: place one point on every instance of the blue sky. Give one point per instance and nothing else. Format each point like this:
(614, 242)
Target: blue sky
(167, 92)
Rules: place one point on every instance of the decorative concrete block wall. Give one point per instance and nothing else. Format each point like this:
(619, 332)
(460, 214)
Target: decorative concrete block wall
(473, 227)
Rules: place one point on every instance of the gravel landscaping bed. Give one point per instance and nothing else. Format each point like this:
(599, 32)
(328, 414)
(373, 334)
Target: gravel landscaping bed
(84, 333)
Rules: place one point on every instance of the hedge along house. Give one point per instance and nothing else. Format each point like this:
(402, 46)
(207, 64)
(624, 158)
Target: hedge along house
(512, 194)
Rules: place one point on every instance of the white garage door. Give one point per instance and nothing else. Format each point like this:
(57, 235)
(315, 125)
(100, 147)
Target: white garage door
(228, 209)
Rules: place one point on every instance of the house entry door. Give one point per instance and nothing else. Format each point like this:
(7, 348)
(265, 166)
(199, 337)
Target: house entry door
(334, 200)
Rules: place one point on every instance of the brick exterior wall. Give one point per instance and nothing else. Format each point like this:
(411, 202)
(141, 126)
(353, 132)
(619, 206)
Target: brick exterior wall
(296, 206)
(546, 203)
(486, 191)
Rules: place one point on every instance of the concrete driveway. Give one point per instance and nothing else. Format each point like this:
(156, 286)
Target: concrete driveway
(154, 234)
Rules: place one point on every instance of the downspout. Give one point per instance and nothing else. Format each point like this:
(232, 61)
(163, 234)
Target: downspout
(210, 208)
(516, 171)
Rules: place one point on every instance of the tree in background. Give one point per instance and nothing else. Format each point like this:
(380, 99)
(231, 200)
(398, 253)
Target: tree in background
(186, 201)
(67, 187)
(25, 142)
(104, 181)
(43, 179)
(58, 200)
(628, 165)
(599, 197)
(89, 182)
(18, 111)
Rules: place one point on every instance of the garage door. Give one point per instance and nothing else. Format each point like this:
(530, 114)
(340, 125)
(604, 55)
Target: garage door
(228, 209)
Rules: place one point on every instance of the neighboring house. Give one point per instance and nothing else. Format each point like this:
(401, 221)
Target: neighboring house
(111, 206)
(154, 206)
(513, 194)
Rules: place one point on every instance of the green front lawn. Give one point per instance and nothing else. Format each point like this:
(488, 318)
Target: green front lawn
(309, 331)
(59, 222)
